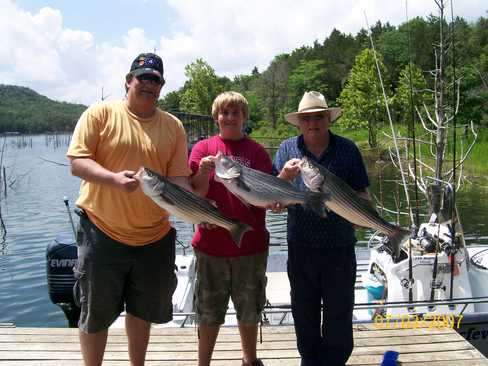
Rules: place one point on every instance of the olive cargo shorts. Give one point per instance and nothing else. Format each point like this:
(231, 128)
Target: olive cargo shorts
(110, 275)
(243, 279)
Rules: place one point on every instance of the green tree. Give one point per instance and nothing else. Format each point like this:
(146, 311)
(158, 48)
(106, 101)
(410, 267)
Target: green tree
(422, 36)
(309, 75)
(416, 87)
(393, 45)
(248, 85)
(473, 72)
(256, 108)
(201, 88)
(338, 52)
(170, 102)
(273, 88)
(362, 97)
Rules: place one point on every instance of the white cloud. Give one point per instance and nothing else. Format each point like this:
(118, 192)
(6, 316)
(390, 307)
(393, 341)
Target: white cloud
(63, 63)
(232, 36)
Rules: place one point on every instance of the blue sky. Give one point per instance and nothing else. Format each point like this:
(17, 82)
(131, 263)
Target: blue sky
(68, 50)
(108, 20)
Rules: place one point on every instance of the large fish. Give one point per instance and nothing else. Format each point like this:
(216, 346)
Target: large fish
(261, 189)
(345, 202)
(186, 205)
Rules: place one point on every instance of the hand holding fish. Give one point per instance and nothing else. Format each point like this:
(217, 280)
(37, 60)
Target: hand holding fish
(187, 206)
(207, 226)
(125, 181)
(276, 207)
(260, 189)
(207, 165)
(290, 170)
(354, 206)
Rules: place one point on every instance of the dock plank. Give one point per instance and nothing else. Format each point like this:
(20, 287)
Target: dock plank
(178, 347)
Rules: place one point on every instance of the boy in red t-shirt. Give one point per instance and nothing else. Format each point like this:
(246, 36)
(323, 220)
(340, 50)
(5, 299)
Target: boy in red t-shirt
(223, 269)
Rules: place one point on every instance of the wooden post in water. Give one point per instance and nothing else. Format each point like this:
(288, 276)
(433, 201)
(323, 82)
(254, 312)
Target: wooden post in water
(4, 182)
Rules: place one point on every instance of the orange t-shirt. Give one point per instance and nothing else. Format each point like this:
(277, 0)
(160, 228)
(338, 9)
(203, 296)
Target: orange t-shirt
(118, 140)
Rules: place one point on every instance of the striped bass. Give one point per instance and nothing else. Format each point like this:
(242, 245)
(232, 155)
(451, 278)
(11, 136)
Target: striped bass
(185, 205)
(261, 189)
(345, 202)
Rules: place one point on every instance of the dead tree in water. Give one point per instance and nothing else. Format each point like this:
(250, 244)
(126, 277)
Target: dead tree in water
(3, 229)
(431, 173)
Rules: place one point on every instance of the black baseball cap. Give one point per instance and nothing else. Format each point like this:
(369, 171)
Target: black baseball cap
(147, 63)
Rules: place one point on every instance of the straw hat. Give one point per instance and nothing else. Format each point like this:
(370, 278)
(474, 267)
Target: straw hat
(312, 102)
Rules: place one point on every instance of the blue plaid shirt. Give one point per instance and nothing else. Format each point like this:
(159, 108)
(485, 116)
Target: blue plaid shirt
(306, 228)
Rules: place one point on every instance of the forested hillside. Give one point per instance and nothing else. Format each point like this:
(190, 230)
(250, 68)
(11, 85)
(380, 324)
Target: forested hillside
(342, 67)
(25, 111)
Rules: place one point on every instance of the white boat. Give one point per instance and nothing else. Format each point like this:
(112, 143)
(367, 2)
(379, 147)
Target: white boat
(381, 292)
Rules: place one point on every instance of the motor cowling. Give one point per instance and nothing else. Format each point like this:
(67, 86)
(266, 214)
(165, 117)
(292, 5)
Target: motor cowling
(61, 257)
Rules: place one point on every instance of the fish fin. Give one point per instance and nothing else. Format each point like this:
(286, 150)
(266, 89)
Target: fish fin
(396, 240)
(367, 203)
(238, 231)
(218, 178)
(234, 172)
(240, 183)
(315, 201)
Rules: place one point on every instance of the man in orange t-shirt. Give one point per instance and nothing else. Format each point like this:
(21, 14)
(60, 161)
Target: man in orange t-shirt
(126, 251)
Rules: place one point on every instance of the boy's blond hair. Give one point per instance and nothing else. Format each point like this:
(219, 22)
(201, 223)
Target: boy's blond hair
(230, 98)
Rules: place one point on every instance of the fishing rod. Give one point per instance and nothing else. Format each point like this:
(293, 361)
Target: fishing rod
(416, 222)
(453, 212)
(66, 202)
(413, 219)
(433, 283)
(404, 183)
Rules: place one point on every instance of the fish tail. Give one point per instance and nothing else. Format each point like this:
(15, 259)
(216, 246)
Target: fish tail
(395, 241)
(237, 232)
(315, 202)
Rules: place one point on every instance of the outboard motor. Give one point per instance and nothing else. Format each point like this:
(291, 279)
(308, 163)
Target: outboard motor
(61, 257)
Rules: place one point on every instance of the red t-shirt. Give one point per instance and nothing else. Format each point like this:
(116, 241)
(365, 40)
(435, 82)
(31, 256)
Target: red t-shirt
(218, 242)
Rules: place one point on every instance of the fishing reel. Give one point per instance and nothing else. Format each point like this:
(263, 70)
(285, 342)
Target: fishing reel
(428, 244)
(449, 248)
(435, 237)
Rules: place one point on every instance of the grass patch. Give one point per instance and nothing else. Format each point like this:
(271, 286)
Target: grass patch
(475, 166)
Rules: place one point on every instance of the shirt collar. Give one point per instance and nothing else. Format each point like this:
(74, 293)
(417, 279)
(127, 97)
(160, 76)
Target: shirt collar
(305, 152)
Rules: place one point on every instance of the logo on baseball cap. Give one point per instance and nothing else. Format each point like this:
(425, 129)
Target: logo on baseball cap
(147, 63)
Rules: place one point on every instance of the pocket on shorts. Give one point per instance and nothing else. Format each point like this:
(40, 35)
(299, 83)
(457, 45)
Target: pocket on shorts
(261, 296)
(79, 288)
(80, 234)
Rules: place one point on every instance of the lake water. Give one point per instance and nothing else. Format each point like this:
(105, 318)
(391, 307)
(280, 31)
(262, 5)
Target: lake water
(34, 214)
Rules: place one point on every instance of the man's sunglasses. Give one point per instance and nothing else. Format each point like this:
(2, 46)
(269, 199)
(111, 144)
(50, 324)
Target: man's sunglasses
(150, 78)
(312, 117)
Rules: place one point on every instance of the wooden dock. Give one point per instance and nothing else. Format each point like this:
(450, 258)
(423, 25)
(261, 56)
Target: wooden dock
(178, 347)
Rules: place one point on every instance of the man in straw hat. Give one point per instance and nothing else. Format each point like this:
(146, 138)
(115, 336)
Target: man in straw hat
(321, 256)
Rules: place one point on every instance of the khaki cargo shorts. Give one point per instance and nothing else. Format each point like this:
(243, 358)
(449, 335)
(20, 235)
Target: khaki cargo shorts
(243, 279)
